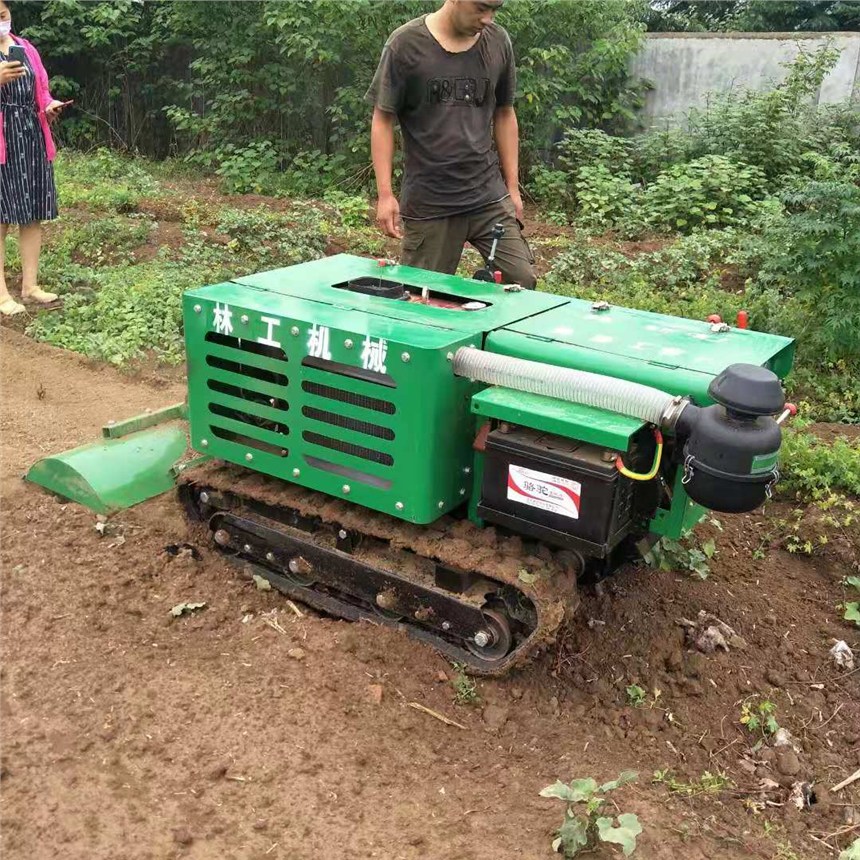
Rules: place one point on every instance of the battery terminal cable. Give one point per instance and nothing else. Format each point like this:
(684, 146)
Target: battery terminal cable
(647, 476)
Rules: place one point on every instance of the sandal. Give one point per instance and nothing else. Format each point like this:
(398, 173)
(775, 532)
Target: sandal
(39, 296)
(10, 308)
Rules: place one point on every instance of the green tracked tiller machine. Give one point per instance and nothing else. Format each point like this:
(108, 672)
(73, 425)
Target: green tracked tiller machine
(443, 454)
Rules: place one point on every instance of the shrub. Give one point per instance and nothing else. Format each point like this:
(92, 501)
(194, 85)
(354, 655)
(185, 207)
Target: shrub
(594, 148)
(815, 260)
(770, 129)
(811, 467)
(605, 199)
(712, 191)
(249, 168)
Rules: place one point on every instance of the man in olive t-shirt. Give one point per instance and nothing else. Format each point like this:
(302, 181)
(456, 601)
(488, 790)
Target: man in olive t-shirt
(449, 79)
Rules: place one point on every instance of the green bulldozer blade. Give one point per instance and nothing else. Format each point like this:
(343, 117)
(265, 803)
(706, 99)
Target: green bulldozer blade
(136, 461)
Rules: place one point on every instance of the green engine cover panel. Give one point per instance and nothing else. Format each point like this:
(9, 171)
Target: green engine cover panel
(676, 355)
(322, 280)
(294, 376)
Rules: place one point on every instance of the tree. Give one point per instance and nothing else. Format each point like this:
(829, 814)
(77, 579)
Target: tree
(754, 16)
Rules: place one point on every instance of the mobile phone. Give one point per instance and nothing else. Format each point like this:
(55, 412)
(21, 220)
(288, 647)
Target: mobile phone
(17, 54)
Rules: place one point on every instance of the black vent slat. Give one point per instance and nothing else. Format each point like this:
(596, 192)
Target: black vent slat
(349, 423)
(248, 418)
(248, 441)
(348, 472)
(237, 343)
(349, 371)
(348, 448)
(246, 370)
(246, 394)
(350, 397)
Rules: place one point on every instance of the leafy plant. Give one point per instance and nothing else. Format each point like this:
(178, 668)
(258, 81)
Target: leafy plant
(604, 198)
(829, 518)
(591, 147)
(636, 695)
(465, 691)
(852, 852)
(553, 189)
(770, 129)
(852, 607)
(248, 168)
(134, 310)
(759, 718)
(351, 209)
(104, 180)
(669, 554)
(583, 831)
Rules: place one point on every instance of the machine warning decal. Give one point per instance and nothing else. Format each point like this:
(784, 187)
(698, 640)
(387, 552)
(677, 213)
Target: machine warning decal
(318, 340)
(373, 354)
(547, 492)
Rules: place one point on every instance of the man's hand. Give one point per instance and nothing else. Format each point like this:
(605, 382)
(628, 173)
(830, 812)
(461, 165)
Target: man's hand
(54, 109)
(388, 216)
(11, 71)
(517, 200)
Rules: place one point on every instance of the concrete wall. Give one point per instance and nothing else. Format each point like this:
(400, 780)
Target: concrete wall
(684, 67)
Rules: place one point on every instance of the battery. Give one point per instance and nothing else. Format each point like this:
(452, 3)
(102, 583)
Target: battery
(558, 490)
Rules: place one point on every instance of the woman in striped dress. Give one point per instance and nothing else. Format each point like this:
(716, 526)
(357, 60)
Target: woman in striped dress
(28, 195)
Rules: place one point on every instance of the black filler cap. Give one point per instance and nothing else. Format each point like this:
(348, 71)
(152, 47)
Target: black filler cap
(748, 389)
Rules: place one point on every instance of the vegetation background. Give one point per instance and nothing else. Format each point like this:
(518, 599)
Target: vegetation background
(750, 203)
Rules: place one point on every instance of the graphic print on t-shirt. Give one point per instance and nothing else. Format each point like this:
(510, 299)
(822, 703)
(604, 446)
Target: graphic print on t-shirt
(461, 91)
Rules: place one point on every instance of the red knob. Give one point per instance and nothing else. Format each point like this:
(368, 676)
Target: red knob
(743, 319)
(715, 318)
(791, 409)
(497, 276)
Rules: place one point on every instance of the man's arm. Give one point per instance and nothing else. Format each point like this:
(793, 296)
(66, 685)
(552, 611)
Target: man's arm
(382, 154)
(507, 135)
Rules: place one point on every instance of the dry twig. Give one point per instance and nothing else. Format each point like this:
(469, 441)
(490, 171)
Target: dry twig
(436, 715)
(847, 781)
(838, 709)
(295, 609)
(274, 625)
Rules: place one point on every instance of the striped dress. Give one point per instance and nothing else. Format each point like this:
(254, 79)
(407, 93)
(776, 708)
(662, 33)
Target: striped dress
(27, 189)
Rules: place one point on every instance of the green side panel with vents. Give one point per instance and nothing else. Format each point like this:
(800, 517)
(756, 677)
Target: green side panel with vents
(293, 375)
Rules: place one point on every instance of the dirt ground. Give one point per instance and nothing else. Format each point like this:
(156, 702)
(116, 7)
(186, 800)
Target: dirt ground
(250, 731)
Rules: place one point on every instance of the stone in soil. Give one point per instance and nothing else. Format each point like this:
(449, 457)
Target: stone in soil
(787, 762)
(495, 717)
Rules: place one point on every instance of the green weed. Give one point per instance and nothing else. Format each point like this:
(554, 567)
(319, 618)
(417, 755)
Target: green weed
(759, 718)
(852, 607)
(465, 691)
(636, 696)
(683, 554)
(707, 783)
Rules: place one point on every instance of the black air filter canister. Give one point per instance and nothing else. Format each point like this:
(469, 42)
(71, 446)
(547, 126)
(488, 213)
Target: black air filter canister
(732, 449)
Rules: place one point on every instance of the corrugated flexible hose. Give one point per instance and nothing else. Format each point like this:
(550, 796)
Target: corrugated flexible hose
(563, 383)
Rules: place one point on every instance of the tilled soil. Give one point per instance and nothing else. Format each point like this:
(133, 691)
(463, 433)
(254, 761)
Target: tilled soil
(253, 728)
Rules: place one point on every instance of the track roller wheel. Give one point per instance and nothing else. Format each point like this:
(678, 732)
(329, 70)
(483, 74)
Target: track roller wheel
(497, 634)
(300, 572)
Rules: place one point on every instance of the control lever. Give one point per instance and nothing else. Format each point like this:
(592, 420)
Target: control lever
(489, 272)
